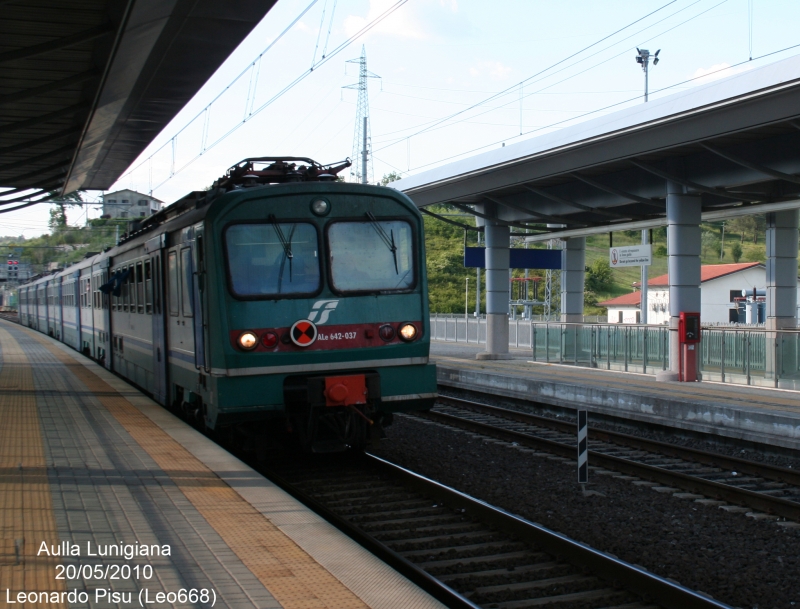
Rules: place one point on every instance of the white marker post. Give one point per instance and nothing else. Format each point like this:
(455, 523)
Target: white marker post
(583, 449)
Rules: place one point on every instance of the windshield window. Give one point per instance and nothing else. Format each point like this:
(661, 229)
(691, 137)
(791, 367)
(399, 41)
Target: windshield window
(273, 259)
(371, 255)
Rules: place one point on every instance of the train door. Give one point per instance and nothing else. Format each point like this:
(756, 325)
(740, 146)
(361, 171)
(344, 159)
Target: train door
(101, 313)
(59, 316)
(60, 297)
(75, 306)
(196, 277)
(154, 283)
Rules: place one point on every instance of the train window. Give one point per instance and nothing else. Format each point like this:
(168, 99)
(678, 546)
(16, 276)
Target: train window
(186, 281)
(273, 259)
(374, 255)
(139, 288)
(173, 283)
(133, 295)
(148, 289)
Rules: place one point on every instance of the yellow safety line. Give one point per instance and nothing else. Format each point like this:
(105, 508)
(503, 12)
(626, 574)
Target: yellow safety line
(293, 577)
(26, 505)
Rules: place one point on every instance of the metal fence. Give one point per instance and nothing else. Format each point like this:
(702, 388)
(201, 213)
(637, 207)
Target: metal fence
(750, 356)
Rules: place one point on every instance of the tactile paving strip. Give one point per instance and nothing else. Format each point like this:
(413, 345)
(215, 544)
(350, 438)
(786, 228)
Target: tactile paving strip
(26, 507)
(289, 573)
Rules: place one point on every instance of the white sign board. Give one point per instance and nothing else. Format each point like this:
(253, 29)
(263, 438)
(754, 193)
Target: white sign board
(630, 255)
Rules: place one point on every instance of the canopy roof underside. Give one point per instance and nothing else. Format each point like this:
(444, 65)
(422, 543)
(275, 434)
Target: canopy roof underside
(86, 85)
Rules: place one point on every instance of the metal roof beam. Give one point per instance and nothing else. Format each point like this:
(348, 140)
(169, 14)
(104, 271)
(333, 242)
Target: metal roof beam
(599, 212)
(547, 218)
(48, 88)
(720, 192)
(42, 140)
(32, 122)
(750, 165)
(619, 193)
(707, 216)
(463, 207)
(55, 45)
(61, 166)
(25, 197)
(38, 157)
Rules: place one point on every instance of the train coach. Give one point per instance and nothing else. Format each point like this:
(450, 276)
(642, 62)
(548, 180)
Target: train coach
(279, 298)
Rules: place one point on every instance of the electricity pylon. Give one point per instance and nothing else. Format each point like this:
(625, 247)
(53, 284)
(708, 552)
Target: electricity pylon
(361, 169)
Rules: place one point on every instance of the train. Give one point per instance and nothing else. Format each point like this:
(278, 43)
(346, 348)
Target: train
(282, 299)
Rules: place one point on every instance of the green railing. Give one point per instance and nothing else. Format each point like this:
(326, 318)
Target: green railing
(733, 355)
(612, 346)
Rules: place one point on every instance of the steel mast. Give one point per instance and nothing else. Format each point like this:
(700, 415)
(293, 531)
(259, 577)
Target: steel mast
(361, 169)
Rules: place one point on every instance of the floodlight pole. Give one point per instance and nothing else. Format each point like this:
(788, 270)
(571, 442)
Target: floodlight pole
(643, 58)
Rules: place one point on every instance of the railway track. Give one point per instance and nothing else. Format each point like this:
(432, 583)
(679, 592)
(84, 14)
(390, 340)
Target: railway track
(761, 487)
(463, 551)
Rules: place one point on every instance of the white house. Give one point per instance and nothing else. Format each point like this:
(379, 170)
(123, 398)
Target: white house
(719, 285)
(129, 204)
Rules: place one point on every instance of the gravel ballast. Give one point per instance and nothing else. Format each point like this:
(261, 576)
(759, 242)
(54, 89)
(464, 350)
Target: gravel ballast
(732, 557)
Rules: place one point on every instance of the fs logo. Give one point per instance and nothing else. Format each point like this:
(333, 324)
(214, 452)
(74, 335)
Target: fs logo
(321, 310)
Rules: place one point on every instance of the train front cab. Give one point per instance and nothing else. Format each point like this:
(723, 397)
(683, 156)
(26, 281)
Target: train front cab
(315, 319)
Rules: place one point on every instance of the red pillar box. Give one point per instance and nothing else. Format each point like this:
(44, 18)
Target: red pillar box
(689, 337)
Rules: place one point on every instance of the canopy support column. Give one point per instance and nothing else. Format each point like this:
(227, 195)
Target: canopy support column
(683, 246)
(782, 243)
(573, 276)
(498, 239)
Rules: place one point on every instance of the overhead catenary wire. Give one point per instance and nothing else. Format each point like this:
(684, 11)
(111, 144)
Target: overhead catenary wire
(551, 125)
(280, 93)
(547, 69)
(543, 73)
(250, 66)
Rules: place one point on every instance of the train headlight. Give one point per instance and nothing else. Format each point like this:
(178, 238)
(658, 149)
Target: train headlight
(408, 332)
(320, 207)
(270, 339)
(248, 340)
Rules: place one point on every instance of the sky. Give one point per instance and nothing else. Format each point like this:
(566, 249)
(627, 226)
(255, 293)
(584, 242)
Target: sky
(457, 77)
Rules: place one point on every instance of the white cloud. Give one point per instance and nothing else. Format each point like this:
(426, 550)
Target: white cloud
(717, 71)
(402, 23)
(452, 4)
(496, 70)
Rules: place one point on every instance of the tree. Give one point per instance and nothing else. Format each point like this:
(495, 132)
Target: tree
(58, 214)
(599, 277)
(390, 177)
(736, 252)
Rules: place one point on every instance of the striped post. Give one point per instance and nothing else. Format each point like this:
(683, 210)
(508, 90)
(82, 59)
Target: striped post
(583, 448)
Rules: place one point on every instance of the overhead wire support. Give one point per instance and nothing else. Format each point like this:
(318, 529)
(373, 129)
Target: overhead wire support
(278, 95)
(362, 140)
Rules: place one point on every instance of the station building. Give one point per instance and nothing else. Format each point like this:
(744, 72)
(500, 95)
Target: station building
(129, 204)
(720, 284)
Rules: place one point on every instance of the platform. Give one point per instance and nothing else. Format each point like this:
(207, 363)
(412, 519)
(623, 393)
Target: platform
(103, 487)
(756, 414)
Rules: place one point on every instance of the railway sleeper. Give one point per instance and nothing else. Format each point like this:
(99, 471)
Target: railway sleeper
(439, 541)
(467, 551)
(436, 567)
(470, 576)
(605, 594)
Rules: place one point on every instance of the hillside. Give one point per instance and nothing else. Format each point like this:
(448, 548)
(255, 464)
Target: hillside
(744, 242)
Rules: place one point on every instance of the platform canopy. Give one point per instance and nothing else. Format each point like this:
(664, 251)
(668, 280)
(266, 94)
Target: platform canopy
(86, 85)
(735, 141)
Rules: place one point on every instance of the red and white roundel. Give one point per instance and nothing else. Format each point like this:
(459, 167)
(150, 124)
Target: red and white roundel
(303, 333)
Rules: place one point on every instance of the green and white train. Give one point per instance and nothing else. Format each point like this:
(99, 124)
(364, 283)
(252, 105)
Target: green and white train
(280, 298)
